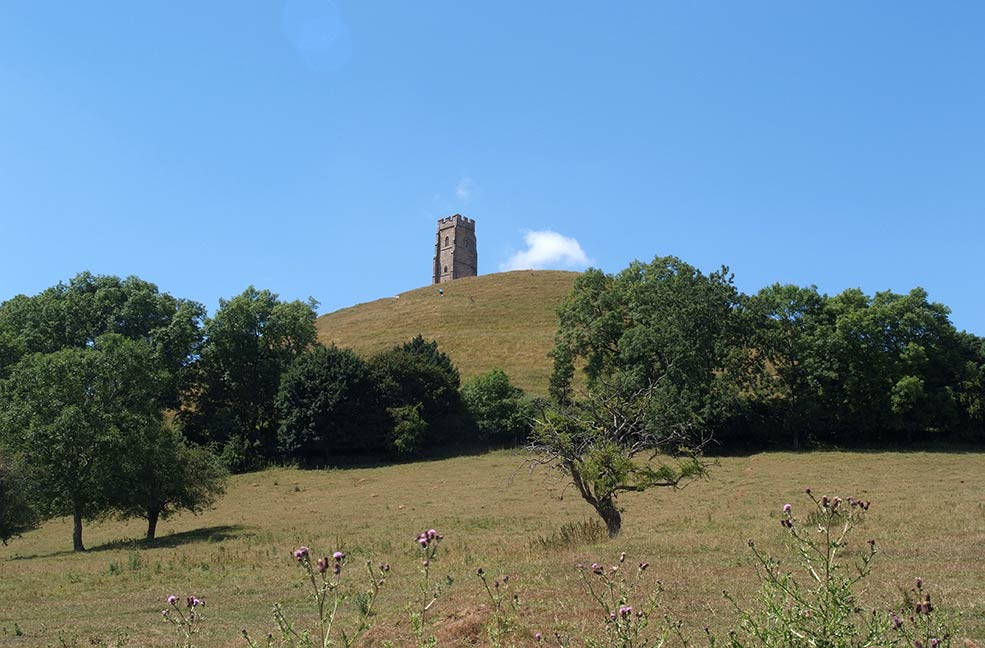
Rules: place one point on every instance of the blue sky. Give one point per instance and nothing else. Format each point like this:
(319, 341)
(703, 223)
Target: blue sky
(310, 146)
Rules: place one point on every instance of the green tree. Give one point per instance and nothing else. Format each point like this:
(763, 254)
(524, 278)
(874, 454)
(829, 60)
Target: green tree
(249, 343)
(416, 375)
(75, 314)
(71, 415)
(329, 404)
(162, 474)
(662, 326)
(497, 408)
(665, 353)
(608, 443)
(789, 331)
(17, 512)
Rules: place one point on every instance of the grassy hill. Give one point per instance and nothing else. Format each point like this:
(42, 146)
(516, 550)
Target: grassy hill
(504, 320)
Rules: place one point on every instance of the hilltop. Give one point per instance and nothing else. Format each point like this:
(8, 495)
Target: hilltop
(505, 320)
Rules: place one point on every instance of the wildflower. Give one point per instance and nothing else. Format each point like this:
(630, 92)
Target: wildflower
(824, 501)
(897, 622)
(322, 565)
(919, 583)
(172, 600)
(622, 557)
(432, 534)
(597, 568)
(301, 553)
(808, 490)
(423, 542)
(537, 636)
(643, 566)
(385, 567)
(336, 568)
(625, 611)
(935, 642)
(338, 555)
(480, 572)
(787, 508)
(506, 578)
(426, 563)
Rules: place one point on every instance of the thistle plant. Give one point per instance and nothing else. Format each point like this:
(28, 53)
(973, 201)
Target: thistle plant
(325, 577)
(822, 607)
(626, 610)
(185, 615)
(505, 606)
(427, 545)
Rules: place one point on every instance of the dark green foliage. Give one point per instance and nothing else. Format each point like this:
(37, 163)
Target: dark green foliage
(74, 315)
(662, 326)
(501, 415)
(17, 513)
(72, 416)
(329, 406)
(419, 376)
(252, 340)
(162, 474)
(855, 369)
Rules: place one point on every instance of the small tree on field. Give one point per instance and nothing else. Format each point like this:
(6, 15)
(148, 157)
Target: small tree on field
(162, 475)
(17, 515)
(607, 444)
(72, 416)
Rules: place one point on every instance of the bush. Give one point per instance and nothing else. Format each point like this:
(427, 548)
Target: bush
(328, 403)
(501, 415)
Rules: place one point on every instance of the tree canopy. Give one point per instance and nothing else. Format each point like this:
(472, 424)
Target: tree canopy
(249, 343)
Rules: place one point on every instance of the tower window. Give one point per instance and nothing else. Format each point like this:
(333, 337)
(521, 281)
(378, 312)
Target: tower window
(446, 269)
(446, 240)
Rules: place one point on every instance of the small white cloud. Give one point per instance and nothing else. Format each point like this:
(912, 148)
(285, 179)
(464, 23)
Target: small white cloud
(465, 189)
(547, 249)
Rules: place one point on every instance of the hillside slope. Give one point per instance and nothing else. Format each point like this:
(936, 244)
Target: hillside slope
(505, 320)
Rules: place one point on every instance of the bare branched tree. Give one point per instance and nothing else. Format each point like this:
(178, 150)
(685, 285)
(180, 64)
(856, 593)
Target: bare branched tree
(610, 442)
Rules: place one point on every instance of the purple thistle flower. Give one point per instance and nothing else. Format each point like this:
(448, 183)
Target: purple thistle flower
(338, 555)
(322, 565)
(919, 583)
(172, 600)
(301, 553)
(787, 508)
(808, 490)
(622, 557)
(537, 636)
(625, 611)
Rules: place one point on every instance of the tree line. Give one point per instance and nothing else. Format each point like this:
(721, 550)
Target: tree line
(786, 367)
(119, 400)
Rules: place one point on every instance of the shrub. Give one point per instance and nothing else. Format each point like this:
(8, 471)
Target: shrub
(500, 414)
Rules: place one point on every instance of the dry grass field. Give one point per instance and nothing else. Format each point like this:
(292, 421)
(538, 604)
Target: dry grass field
(927, 516)
(505, 320)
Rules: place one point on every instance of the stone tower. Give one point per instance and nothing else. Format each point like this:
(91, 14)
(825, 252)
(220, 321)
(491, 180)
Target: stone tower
(455, 255)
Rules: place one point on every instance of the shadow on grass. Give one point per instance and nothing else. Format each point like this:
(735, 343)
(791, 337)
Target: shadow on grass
(204, 534)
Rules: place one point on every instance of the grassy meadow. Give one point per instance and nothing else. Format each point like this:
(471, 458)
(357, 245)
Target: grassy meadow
(927, 516)
(504, 320)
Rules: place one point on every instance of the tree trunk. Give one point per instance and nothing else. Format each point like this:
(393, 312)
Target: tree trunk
(152, 524)
(610, 514)
(77, 529)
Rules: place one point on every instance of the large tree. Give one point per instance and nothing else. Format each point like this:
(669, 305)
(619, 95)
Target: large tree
(75, 314)
(71, 415)
(663, 326)
(663, 350)
(250, 342)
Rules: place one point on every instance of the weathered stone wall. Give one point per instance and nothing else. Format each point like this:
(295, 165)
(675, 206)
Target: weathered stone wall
(455, 253)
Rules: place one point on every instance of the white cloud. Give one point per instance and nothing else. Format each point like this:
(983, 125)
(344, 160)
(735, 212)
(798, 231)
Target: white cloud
(547, 249)
(465, 189)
